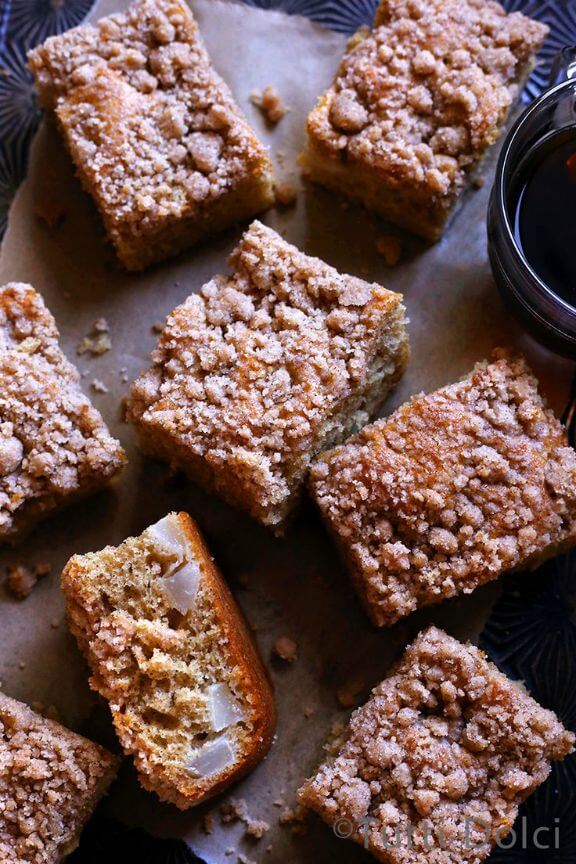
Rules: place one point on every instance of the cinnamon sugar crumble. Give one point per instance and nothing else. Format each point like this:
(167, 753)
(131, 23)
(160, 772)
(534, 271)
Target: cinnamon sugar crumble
(390, 248)
(444, 751)
(286, 649)
(53, 442)
(52, 779)
(22, 580)
(154, 131)
(263, 368)
(418, 99)
(452, 490)
(270, 103)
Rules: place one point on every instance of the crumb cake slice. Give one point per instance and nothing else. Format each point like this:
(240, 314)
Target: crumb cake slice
(170, 651)
(153, 131)
(264, 368)
(415, 104)
(436, 764)
(54, 445)
(50, 782)
(452, 490)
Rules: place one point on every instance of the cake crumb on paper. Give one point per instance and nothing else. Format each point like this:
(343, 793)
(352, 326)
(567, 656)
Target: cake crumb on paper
(286, 649)
(22, 580)
(286, 194)
(390, 248)
(99, 386)
(270, 103)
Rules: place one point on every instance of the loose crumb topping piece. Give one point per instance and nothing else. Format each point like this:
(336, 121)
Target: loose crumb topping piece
(153, 129)
(420, 97)
(262, 368)
(270, 103)
(53, 442)
(452, 490)
(435, 765)
(50, 781)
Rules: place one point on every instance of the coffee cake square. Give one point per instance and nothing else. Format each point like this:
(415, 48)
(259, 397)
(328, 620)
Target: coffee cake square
(415, 104)
(453, 489)
(50, 782)
(435, 765)
(54, 445)
(263, 369)
(153, 130)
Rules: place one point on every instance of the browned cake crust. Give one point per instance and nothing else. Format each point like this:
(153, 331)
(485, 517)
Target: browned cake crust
(54, 445)
(157, 663)
(452, 490)
(50, 782)
(262, 369)
(415, 104)
(154, 132)
(444, 752)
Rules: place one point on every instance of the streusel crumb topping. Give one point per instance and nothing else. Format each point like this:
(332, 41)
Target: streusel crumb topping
(53, 443)
(422, 95)
(152, 124)
(434, 766)
(453, 489)
(50, 780)
(248, 371)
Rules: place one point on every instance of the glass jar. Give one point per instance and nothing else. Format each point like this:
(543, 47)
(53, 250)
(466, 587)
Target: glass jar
(548, 317)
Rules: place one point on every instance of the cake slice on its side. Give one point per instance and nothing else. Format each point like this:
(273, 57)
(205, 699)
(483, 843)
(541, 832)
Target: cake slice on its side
(416, 103)
(262, 369)
(50, 782)
(170, 651)
(154, 132)
(435, 765)
(54, 445)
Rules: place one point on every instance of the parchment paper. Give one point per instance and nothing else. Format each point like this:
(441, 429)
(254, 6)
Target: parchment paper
(295, 587)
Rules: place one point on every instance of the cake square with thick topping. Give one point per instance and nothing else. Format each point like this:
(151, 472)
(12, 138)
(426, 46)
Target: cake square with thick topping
(153, 130)
(415, 104)
(54, 445)
(50, 782)
(263, 369)
(452, 490)
(436, 764)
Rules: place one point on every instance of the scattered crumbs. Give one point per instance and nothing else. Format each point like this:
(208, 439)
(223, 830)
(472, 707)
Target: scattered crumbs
(21, 580)
(294, 817)
(279, 802)
(286, 194)
(158, 326)
(95, 345)
(286, 649)
(229, 851)
(22, 664)
(348, 694)
(478, 182)
(242, 859)
(236, 810)
(270, 103)
(269, 849)
(390, 248)
(99, 386)
(49, 211)
(281, 158)
(124, 375)
(101, 326)
(208, 823)
(309, 711)
(55, 624)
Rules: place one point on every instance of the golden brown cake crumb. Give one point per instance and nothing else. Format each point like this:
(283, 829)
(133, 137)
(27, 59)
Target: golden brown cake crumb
(436, 764)
(170, 651)
(263, 369)
(50, 782)
(22, 580)
(452, 490)
(54, 445)
(154, 132)
(270, 103)
(415, 104)
(390, 248)
(286, 649)
(286, 194)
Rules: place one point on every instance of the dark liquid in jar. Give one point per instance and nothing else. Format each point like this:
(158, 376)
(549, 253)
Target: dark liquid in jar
(544, 209)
